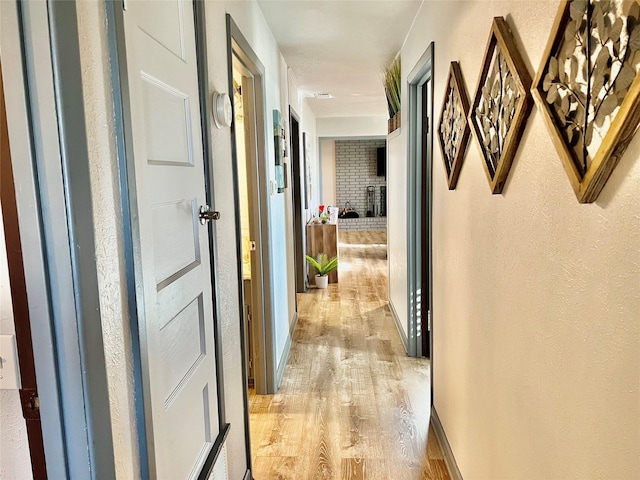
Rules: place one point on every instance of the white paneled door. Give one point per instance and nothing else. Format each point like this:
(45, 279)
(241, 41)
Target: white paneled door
(174, 274)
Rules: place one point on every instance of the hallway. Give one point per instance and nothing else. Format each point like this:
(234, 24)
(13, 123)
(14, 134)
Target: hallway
(351, 405)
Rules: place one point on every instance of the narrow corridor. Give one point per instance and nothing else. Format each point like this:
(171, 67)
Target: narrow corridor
(351, 405)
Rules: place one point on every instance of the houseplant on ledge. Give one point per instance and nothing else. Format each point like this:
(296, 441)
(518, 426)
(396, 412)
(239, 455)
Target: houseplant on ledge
(392, 85)
(323, 266)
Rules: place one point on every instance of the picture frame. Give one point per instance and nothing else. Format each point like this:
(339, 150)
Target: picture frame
(278, 147)
(588, 89)
(501, 104)
(453, 126)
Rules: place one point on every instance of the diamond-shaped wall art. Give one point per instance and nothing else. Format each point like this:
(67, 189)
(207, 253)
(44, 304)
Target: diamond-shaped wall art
(588, 88)
(501, 104)
(453, 129)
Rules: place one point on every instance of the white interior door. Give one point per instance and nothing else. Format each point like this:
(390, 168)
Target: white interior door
(175, 299)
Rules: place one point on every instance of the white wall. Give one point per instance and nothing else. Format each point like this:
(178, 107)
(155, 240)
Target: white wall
(536, 305)
(15, 462)
(331, 127)
(308, 124)
(397, 226)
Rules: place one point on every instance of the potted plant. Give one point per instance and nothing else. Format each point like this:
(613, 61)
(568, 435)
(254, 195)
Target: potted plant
(392, 85)
(323, 267)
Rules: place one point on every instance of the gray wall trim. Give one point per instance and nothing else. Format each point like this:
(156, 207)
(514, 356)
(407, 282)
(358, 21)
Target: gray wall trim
(14, 44)
(65, 51)
(420, 74)
(47, 129)
(396, 319)
(251, 61)
(247, 475)
(287, 351)
(449, 459)
(128, 203)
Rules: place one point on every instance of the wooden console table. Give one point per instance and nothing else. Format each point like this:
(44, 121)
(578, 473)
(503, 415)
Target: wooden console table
(322, 238)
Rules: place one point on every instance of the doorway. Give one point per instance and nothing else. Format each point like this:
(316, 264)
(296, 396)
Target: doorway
(297, 181)
(425, 217)
(246, 75)
(14, 276)
(244, 141)
(420, 149)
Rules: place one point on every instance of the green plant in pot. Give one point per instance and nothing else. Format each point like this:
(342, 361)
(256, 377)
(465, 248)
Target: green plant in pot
(392, 80)
(323, 266)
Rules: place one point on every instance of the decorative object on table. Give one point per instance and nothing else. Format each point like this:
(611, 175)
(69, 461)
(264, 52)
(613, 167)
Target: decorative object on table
(588, 88)
(332, 211)
(323, 266)
(392, 89)
(501, 104)
(453, 129)
(383, 201)
(278, 143)
(322, 214)
(348, 212)
(371, 199)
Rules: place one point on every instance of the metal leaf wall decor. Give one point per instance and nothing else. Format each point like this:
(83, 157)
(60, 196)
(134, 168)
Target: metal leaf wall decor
(588, 88)
(453, 129)
(501, 104)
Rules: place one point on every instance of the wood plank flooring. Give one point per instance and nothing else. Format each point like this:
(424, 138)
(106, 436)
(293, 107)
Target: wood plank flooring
(351, 405)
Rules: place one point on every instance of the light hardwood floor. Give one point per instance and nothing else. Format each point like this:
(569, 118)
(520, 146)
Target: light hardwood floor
(351, 405)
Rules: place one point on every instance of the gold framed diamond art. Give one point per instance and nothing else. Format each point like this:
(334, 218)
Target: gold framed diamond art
(588, 88)
(453, 129)
(501, 104)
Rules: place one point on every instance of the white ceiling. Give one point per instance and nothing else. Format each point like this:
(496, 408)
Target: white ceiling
(339, 47)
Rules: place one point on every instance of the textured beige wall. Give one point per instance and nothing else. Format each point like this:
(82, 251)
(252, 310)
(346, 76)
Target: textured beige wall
(536, 297)
(328, 164)
(108, 233)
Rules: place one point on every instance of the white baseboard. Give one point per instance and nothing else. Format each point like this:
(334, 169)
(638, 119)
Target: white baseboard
(285, 355)
(403, 336)
(449, 459)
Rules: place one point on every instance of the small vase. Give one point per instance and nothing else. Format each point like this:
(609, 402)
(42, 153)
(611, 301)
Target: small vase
(322, 281)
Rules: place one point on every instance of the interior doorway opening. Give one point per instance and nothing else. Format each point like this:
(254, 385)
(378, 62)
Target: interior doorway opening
(247, 221)
(248, 181)
(299, 199)
(419, 226)
(250, 173)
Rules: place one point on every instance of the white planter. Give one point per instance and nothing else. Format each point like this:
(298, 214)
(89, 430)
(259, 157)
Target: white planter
(322, 281)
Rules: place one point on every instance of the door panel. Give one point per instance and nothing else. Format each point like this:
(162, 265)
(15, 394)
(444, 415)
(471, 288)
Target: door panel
(177, 323)
(167, 122)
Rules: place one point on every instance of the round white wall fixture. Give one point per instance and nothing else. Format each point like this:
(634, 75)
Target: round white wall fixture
(222, 112)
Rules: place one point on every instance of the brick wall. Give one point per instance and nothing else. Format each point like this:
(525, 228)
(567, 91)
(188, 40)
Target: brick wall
(356, 169)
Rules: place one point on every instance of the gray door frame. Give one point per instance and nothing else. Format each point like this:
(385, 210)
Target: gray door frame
(421, 73)
(263, 332)
(46, 122)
